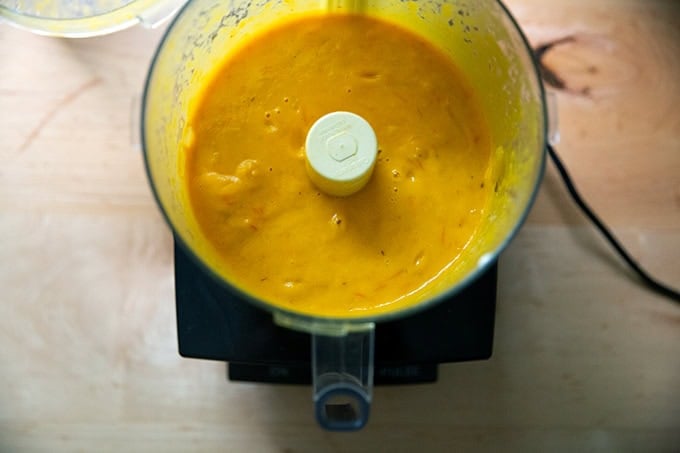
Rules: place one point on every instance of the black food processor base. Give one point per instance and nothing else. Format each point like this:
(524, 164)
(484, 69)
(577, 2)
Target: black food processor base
(214, 324)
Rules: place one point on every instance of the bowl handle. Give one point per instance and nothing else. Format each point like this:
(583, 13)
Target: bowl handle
(342, 372)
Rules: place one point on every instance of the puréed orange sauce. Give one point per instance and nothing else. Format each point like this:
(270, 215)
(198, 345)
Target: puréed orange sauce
(284, 241)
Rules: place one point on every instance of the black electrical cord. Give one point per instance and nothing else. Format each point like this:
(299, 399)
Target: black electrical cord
(647, 279)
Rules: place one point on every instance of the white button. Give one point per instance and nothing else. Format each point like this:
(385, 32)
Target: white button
(341, 151)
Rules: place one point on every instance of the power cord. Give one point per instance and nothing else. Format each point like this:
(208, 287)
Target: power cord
(646, 278)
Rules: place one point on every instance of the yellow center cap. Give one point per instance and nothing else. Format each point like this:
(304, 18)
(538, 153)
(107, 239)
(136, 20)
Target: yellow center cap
(340, 150)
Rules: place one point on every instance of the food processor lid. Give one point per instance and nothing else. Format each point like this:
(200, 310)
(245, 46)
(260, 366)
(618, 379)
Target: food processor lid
(81, 19)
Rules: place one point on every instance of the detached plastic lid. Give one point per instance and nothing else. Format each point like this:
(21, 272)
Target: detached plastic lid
(85, 18)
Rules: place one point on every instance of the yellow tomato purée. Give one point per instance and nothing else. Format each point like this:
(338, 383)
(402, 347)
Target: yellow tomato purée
(284, 241)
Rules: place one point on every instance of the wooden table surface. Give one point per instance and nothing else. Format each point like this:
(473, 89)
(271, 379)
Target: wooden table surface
(585, 359)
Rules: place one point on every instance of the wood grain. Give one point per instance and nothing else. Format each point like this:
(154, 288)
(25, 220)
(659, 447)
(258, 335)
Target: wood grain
(584, 360)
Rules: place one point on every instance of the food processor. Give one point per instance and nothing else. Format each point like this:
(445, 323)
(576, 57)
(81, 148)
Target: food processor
(488, 47)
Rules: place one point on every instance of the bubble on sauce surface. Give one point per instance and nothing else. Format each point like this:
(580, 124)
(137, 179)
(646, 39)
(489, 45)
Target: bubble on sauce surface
(249, 223)
(293, 285)
(248, 168)
(419, 259)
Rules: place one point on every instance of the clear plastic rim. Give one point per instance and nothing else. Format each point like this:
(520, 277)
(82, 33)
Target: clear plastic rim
(314, 323)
